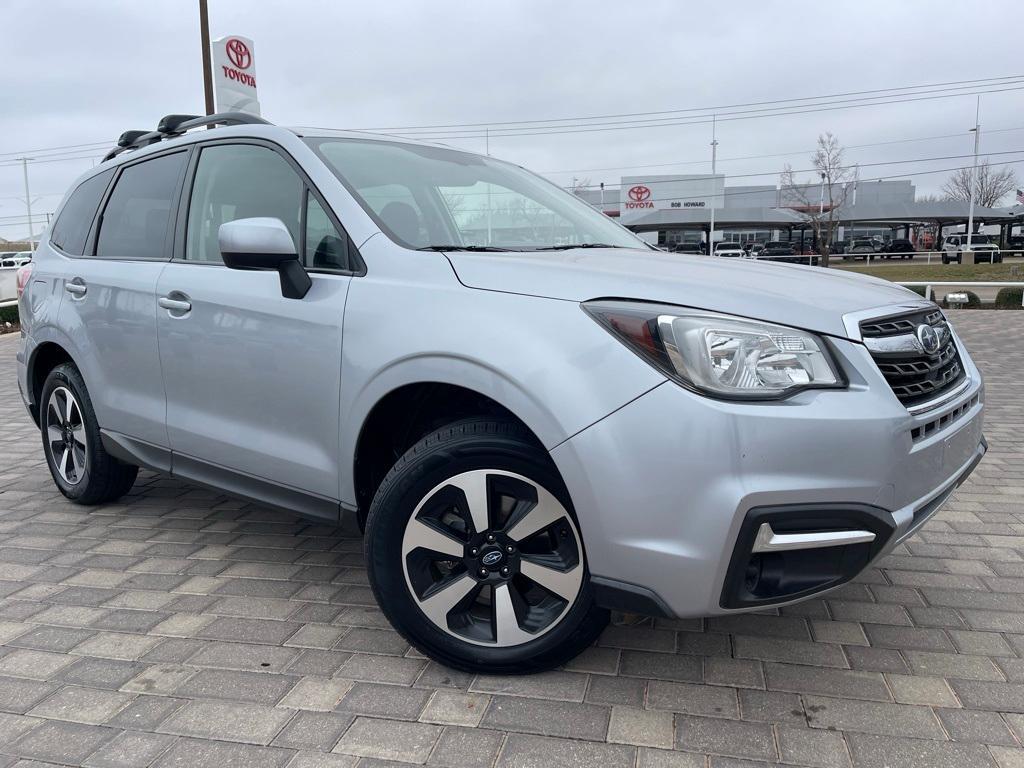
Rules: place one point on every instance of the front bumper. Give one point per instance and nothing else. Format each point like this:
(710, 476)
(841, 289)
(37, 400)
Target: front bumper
(663, 486)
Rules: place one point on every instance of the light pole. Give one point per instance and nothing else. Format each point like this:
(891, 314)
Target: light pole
(204, 38)
(821, 213)
(974, 173)
(714, 158)
(28, 204)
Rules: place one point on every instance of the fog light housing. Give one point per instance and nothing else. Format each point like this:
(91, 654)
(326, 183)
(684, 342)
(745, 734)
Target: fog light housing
(790, 552)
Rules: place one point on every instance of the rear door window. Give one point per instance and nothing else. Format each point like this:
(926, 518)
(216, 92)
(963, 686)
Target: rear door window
(71, 229)
(136, 222)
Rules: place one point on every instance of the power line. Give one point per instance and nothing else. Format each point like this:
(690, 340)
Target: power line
(759, 192)
(815, 170)
(693, 109)
(701, 121)
(777, 154)
(864, 96)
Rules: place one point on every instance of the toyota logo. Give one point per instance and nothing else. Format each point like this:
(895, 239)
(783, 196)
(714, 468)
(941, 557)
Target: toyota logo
(239, 53)
(928, 338)
(639, 193)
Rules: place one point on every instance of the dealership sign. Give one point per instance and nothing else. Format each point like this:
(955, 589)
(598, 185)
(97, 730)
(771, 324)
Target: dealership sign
(644, 195)
(234, 75)
(639, 197)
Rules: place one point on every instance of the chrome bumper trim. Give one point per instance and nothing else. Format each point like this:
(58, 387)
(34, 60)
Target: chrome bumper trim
(767, 540)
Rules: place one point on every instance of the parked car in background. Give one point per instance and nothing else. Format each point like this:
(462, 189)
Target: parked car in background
(15, 258)
(904, 249)
(689, 248)
(729, 249)
(778, 250)
(863, 247)
(1015, 243)
(985, 250)
(284, 315)
(755, 250)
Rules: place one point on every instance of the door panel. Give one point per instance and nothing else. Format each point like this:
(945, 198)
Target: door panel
(252, 378)
(113, 325)
(109, 304)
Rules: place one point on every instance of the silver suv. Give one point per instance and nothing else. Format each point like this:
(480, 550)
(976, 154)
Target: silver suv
(534, 416)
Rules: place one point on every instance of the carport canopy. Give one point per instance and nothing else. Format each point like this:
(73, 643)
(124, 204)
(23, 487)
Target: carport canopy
(937, 212)
(700, 218)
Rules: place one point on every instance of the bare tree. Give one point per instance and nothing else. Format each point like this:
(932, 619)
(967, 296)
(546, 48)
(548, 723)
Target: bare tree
(929, 198)
(580, 186)
(834, 179)
(992, 185)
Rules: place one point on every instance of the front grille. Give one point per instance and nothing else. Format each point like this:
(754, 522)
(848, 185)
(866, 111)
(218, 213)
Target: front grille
(914, 375)
(894, 326)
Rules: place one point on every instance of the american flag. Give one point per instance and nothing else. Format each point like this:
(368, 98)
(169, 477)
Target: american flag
(1020, 196)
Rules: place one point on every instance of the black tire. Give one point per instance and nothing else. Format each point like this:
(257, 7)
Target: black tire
(103, 477)
(465, 446)
(945, 259)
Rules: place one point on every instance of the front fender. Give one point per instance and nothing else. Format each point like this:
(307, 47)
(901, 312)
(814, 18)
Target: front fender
(545, 360)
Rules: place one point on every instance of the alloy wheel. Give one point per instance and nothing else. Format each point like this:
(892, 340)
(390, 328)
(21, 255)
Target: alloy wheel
(65, 435)
(492, 558)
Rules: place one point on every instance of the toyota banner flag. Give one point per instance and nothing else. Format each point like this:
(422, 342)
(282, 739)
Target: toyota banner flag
(234, 75)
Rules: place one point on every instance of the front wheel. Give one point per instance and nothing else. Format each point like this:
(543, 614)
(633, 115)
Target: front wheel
(475, 556)
(81, 468)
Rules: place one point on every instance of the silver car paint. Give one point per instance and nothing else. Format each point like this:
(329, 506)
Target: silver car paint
(801, 296)
(660, 477)
(252, 379)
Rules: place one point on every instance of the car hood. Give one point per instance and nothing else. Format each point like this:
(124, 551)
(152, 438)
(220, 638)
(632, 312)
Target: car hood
(804, 297)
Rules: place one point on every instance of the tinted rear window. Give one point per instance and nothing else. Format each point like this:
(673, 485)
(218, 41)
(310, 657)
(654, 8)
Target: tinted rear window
(72, 226)
(137, 217)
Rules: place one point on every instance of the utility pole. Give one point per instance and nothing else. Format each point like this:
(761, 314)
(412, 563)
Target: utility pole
(28, 204)
(204, 36)
(974, 172)
(714, 158)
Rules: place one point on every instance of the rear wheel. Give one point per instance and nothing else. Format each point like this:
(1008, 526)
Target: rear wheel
(475, 555)
(82, 470)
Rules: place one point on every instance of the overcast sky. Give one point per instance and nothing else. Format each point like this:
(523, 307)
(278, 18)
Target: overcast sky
(82, 72)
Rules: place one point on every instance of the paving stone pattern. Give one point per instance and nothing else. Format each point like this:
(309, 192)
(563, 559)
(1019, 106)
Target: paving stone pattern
(182, 628)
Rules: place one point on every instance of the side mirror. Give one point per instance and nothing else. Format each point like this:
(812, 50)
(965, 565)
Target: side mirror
(264, 243)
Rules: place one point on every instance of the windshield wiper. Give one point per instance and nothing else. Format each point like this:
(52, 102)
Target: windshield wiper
(576, 245)
(462, 248)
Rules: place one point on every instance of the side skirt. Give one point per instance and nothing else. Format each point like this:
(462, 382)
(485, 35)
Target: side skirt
(220, 478)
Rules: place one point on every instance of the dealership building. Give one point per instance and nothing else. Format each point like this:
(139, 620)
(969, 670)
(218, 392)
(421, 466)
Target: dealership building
(669, 209)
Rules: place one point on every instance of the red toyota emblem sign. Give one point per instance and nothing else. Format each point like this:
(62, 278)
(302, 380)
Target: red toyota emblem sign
(239, 53)
(639, 193)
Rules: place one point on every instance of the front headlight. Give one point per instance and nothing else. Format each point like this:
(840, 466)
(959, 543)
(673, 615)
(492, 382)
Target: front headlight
(721, 355)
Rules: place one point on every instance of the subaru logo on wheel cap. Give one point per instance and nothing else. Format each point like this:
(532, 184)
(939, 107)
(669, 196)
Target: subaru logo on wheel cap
(491, 558)
(928, 338)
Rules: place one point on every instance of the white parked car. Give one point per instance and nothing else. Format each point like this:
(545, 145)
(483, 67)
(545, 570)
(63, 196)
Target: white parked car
(15, 259)
(729, 249)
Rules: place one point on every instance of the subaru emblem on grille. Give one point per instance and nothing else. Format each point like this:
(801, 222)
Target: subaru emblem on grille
(928, 338)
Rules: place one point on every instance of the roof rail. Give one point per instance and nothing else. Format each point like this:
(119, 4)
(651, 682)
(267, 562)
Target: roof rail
(171, 126)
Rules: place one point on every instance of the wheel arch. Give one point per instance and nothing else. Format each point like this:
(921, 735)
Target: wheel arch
(396, 409)
(45, 356)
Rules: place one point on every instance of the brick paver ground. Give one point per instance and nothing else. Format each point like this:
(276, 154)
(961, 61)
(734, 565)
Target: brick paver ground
(183, 628)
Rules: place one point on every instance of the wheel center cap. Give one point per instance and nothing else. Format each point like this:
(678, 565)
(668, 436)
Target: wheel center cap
(492, 557)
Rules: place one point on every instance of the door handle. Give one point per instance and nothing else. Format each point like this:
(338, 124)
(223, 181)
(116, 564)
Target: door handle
(174, 305)
(76, 287)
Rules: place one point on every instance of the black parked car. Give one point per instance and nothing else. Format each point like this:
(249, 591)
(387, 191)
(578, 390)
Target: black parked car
(903, 248)
(778, 250)
(689, 248)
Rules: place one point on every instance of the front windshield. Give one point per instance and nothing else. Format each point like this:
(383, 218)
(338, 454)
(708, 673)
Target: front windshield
(976, 239)
(430, 197)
